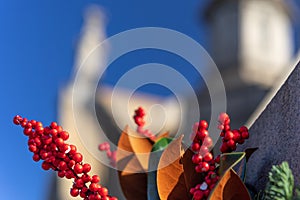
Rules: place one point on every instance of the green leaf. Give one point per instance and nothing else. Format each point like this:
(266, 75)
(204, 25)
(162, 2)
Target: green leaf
(161, 144)
(157, 149)
(229, 160)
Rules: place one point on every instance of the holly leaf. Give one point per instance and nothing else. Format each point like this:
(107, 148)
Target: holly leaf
(230, 187)
(170, 177)
(157, 150)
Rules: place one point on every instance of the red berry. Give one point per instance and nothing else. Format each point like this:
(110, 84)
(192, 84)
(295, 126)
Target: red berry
(207, 141)
(53, 125)
(223, 117)
(198, 195)
(74, 192)
(224, 148)
(228, 135)
(45, 165)
(236, 135)
(195, 146)
(64, 135)
(202, 134)
(77, 157)
(78, 169)
(245, 134)
(203, 124)
(197, 158)
(86, 168)
(103, 191)
(243, 129)
(95, 179)
(208, 157)
(231, 144)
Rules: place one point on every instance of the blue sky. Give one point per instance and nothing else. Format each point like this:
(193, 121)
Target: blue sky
(37, 46)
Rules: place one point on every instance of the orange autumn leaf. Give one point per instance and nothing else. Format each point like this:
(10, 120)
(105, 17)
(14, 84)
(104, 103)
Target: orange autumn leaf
(132, 162)
(230, 187)
(170, 177)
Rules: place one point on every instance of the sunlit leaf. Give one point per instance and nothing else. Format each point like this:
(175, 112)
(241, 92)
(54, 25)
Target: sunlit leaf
(132, 162)
(170, 178)
(230, 187)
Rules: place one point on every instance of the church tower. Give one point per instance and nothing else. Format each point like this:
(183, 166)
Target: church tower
(251, 42)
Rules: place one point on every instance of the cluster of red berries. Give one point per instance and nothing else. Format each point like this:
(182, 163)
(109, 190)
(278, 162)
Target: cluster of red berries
(231, 138)
(140, 122)
(48, 144)
(205, 163)
(111, 155)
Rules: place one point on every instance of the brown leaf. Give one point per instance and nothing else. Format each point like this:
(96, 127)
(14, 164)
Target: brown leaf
(170, 178)
(230, 187)
(132, 162)
(132, 144)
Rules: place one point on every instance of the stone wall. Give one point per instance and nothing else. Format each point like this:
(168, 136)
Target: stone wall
(276, 133)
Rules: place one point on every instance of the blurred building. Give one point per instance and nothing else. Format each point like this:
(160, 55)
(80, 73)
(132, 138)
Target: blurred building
(251, 43)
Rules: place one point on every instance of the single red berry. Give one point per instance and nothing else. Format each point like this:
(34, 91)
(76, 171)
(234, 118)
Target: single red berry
(45, 165)
(95, 179)
(36, 157)
(77, 157)
(245, 134)
(78, 169)
(74, 192)
(103, 191)
(197, 158)
(205, 166)
(236, 135)
(228, 135)
(207, 141)
(243, 129)
(231, 143)
(53, 125)
(198, 195)
(195, 146)
(94, 187)
(79, 183)
(224, 148)
(64, 135)
(203, 124)
(208, 157)
(61, 174)
(86, 168)
(223, 117)
(62, 165)
(202, 133)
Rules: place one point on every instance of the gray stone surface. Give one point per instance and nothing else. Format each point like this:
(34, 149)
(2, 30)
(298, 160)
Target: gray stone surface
(277, 134)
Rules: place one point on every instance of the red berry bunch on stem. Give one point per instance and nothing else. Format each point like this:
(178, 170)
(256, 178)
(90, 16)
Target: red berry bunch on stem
(231, 138)
(48, 144)
(140, 122)
(204, 161)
